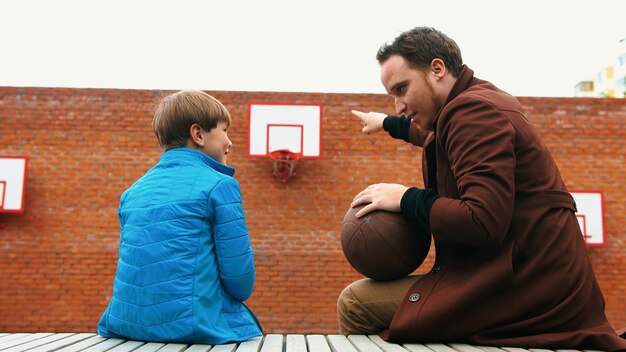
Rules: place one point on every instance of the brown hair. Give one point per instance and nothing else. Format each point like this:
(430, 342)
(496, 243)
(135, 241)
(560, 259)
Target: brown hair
(420, 46)
(178, 111)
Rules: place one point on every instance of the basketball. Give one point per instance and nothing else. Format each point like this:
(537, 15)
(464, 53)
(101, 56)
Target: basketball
(383, 245)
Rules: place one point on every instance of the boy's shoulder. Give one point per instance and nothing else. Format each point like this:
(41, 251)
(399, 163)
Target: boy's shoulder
(179, 184)
(177, 174)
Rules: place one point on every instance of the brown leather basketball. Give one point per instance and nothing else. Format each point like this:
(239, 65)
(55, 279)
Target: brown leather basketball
(383, 245)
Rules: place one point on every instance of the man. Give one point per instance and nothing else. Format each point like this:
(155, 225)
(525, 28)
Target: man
(511, 267)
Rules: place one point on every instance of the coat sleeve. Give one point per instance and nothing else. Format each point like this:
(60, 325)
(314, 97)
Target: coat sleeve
(234, 253)
(400, 127)
(479, 142)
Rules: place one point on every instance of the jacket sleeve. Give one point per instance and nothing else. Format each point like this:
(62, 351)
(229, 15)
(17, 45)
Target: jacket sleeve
(400, 127)
(479, 143)
(232, 243)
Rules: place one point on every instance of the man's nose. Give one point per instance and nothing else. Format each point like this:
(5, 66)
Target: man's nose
(400, 107)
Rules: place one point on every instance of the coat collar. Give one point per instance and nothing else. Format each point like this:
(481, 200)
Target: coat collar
(186, 155)
(463, 82)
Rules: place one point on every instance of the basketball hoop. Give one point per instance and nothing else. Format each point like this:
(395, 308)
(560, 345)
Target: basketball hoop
(284, 163)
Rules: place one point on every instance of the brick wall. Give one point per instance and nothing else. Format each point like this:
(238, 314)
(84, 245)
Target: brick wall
(58, 258)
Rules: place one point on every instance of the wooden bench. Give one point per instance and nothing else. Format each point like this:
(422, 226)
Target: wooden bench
(89, 342)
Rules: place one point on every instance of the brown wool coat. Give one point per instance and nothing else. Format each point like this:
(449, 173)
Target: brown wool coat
(511, 266)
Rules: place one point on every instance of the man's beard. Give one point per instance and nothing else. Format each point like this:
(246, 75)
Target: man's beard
(437, 105)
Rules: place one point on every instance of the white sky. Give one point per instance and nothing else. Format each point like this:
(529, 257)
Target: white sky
(529, 47)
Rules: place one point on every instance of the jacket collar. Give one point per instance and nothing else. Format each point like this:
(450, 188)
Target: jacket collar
(185, 155)
(463, 82)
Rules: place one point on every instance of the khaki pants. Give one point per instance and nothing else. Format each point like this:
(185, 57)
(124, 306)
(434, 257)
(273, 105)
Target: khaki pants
(367, 306)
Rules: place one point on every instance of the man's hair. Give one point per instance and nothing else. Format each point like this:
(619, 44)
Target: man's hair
(178, 111)
(420, 46)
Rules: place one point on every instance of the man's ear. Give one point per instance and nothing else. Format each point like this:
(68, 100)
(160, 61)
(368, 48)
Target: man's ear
(438, 68)
(195, 132)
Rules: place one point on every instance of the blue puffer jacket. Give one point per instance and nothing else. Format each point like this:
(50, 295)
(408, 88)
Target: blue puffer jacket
(185, 262)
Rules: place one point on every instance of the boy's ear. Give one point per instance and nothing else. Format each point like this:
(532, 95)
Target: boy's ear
(195, 132)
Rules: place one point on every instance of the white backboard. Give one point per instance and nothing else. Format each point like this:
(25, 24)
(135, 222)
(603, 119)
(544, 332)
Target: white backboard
(590, 216)
(12, 183)
(276, 126)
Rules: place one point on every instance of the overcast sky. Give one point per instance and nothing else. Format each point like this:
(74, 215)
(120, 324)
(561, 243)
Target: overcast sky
(529, 47)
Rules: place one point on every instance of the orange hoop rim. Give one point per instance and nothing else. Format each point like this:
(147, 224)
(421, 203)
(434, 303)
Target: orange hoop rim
(284, 155)
(284, 162)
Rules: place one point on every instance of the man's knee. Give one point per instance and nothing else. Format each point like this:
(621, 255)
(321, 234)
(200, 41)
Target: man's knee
(345, 300)
(368, 306)
(353, 310)
(348, 297)
(345, 310)
(345, 295)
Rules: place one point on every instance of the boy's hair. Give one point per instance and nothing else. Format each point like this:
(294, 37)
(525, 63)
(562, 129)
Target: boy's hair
(420, 46)
(178, 111)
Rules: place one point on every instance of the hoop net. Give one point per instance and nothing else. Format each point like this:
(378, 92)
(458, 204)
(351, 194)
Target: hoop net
(284, 163)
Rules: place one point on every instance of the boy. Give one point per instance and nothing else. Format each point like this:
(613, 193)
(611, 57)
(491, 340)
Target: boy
(185, 264)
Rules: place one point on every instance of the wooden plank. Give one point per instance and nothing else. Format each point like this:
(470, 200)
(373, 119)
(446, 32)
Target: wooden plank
(150, 347)
(83, 344)
(105, 345)
(252, 345)
(386, 346)
(416, 347)
(489, 349)
(230, 347)
(340, 343)
(38, 342)
(8, 337)
(89, 342)
(439, 347)
(127, 346)
(23, 339)
(462, 347)
(317, 343)
(363, 343)
(68, 341)
(295, 343)
(272, 343)
(199, 348)
(174, 347)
